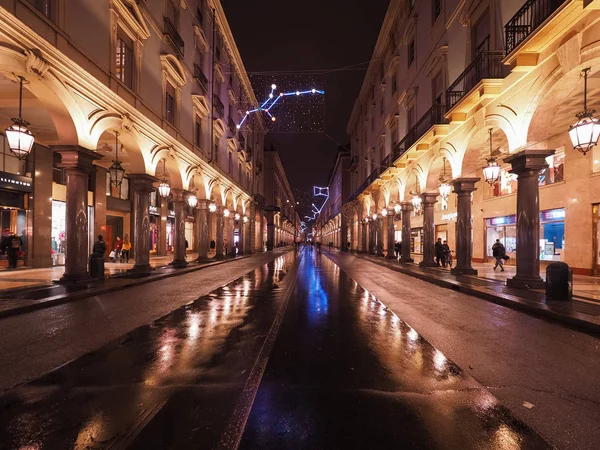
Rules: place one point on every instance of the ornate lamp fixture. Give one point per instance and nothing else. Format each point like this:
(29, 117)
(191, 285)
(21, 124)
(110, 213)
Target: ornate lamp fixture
(375, 216)
(164, 189)
(116, 170)
(384, 212)
(245, 219)
(192, 200)
(397, 208)
(491, 171)
(226, 212)
(445, 187)
(212, 207)
(237, 216)
(586, 131)
(416, 199)
(20, 139)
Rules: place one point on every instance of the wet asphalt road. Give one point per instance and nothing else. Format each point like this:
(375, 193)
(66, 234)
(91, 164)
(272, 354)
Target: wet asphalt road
(343, 372)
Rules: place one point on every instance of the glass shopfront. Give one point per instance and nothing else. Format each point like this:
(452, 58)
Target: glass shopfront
(59, 230)
(416, 241)
(552, 234)
(154, 224)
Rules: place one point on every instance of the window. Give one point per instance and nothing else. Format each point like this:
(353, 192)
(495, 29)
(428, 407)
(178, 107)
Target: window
(198, 131)
(46, 7)
(124, 59)
(436, 9)
(121, 191)
(410, 118)
(230, 164)
(381, 105)
(480, 34)
(170, 104)
(411, 52)
(394, 83)
(240, 173)
(172, 13)
(216, 150)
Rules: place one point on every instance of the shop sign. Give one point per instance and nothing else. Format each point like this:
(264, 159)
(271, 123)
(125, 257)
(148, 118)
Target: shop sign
(504, 220)
(190, 218)
(450, 216)
(154, 210)
(171, 213)
(15, 182)
(552, 214)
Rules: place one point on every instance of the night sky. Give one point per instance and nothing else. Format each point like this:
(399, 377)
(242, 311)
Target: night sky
(296, 36)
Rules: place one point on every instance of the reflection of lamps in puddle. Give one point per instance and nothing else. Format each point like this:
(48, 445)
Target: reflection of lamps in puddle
(416, 199)
(584, 134)
(445, 187)
(491, 170)
(20, 139)
(164, 189)
(116, 170)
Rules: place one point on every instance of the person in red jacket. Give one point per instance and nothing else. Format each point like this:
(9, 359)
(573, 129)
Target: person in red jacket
(118, 247)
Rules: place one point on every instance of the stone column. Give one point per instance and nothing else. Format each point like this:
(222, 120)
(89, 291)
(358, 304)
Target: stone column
(202, 230)
(141, 186)
(242, 233)
(372, 232)
(363, 236)
(40, 241)
(407, 209)
(161, 249)
(100, 203)
(179, 203)
(463, 187)
(379, 235)
(219, 234)
(77, 162)
(352, 233)
(428, 201)
(231, 237)
(270, 231)
(527, 165)
(391, 234)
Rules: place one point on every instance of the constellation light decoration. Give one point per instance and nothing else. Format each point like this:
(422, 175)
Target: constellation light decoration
(318, 192)
(272, 100)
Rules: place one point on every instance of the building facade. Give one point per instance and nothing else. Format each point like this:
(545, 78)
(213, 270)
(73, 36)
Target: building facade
(454, 83)
(332, 222)
(159, 81)
(282, 219)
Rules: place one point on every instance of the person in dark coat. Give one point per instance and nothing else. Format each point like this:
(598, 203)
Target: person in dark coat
(12, 247)
(439, 252)
(99, 248)
(498, 252)
(446, 258)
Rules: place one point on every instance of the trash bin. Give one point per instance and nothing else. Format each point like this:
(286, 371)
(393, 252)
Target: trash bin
(97, 267)
(559, 282)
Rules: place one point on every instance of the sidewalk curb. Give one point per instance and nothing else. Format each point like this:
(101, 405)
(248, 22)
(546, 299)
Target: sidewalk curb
(66, 298)
(581, 322)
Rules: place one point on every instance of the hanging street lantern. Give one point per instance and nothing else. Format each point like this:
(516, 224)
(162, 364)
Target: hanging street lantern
(375, 216)
(491, 171)
(397, 208)
(237, 216)
(586, 131)
(384, 212)
(20, 139)
(445, 187)
(192, 200)
(116, 170)
(226, 212)
(245, 219)
(164, 189)
(212, 207)
(416, 199)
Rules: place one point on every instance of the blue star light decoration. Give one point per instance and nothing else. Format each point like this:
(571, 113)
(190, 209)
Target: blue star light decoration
(272, 100)
(318, 192)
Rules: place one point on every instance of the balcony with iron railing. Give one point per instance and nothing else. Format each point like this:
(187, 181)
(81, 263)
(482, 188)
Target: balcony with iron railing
(436, 115)
(486, 65)
(527, 20)
(200, 78)
(218, 106)
(173, 36)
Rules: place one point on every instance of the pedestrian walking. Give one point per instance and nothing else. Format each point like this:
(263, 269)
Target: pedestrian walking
(118, 247)
(12, 247)
(397, 249)
(439, 252)
(499, 252)
(126, 247)
(447, 257)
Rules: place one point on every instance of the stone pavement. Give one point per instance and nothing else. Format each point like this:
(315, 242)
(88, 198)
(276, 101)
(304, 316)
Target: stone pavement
(44, 294)
(25, 277)
(582, 313)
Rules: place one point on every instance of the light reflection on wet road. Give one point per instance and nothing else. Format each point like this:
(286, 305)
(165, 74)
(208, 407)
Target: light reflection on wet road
(345, 372)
